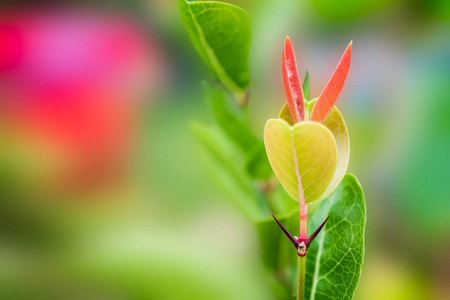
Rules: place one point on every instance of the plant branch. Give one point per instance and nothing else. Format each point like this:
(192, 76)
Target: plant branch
(301, 277)
(303, 221)
(302, 258)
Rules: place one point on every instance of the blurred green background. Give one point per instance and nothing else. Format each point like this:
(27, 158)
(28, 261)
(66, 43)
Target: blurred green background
(112, 197)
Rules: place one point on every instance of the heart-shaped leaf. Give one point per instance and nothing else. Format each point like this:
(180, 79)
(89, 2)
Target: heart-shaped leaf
(221, 34)
(334, 259)
(336, 124)
(303, 157)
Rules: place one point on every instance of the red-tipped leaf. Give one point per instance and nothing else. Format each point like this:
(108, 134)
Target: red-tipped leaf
(292, 86)
(334, 87)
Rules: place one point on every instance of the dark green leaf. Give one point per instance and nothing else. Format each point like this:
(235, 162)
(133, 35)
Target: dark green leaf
(334, 259)
(229, 117)
(258, 165)
(221, 34)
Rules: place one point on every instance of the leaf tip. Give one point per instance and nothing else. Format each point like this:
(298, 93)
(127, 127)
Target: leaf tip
(287, 46)
(292, 84)
(349, 47)
(329, 95)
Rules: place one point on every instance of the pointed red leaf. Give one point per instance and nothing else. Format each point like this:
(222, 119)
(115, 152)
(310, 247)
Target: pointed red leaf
(292, 85)
(334, 87)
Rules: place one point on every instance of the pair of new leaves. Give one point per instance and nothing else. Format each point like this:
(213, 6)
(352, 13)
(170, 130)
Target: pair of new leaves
(308, 145)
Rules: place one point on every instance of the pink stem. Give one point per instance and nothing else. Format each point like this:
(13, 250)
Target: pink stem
(303, 221)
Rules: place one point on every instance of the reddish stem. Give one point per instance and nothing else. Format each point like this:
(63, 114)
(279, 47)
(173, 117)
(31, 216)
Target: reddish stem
(303, 236)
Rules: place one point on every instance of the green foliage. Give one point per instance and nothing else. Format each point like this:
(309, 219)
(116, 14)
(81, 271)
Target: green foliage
(348, 9)
(311, 153)
(257, 164)
(336, 124)
(231, 119)
(227, 164)
(221, 34)
(334, 260)
(306, 87)
(234, 123)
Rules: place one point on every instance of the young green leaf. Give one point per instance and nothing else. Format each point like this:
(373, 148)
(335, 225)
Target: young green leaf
(334, 87)
(221, 34)
(285, 114)
(229, 117)
(303, 157)
(306, 87)
(336, 124)
(292, 84)
(334, 260)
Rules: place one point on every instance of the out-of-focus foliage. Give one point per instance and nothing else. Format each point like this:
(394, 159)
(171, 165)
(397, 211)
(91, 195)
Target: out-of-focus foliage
(231, 120)
(348, 9)
(228, 166)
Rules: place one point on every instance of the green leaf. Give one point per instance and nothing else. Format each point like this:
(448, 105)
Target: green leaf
(258, 165)
(221, 34)
(227, 165)
(306, 86)
(303, 157)
(285, 114)
(334, 259)
(336, 124)
(234, 123)
(232, 120)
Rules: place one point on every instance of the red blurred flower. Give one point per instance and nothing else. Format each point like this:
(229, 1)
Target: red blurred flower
(71, 80)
